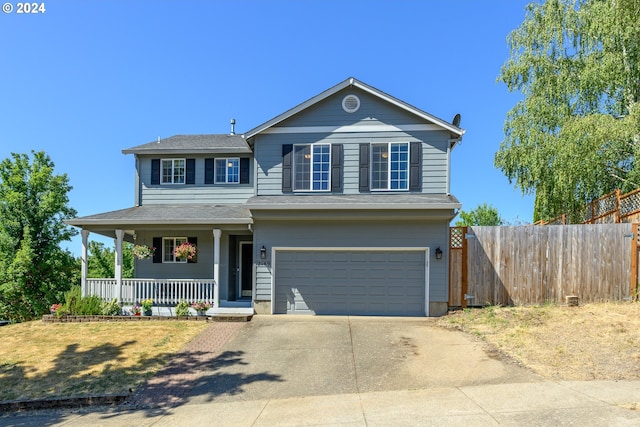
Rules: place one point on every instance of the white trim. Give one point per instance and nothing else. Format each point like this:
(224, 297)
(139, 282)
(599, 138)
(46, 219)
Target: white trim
(226, 170)
(175, 245)
(388, 159)
(357, 206)
(217, 233)
(311, 159)
(173, 167)
(350, 97)
(360, 128)
(352, 82)
(274, 269)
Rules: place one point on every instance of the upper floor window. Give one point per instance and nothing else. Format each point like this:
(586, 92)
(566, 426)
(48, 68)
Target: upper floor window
(173, 171)
(312, 167)
(227, 171)
(390, 166)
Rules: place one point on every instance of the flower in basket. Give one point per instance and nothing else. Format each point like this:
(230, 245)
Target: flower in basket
(146, 304)
(185, 251)
(54, 308)
(143, 251)
(200, 306)
(136, 309)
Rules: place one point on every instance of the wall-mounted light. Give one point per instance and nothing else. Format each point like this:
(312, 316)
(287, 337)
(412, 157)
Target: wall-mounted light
(385, 155)
(438, 253)
(307, 156)
(263, 253)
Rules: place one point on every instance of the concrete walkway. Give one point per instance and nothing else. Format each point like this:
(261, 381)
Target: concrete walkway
(341, 371)
(593, 403)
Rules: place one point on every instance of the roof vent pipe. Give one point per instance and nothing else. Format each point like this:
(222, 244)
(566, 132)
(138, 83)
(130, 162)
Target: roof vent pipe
(233, 126)
(158, 140)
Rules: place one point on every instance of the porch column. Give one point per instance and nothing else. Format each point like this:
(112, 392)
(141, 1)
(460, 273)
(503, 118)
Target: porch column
(216, 265)
(118, 266)
(85, 261)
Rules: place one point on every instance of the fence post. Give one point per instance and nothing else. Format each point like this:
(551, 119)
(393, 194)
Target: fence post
(634, 263)
(463, 273)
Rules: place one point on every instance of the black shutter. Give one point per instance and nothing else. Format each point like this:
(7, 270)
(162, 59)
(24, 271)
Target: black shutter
(157, 255)
(208, 171)
(287, 158)
(155, 171)
(194, 242)
(415, 165)
(244, 170)
(191, 171)
(364, 167)
(336, 167)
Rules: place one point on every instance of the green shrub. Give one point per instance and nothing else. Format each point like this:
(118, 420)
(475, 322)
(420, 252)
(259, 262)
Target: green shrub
(90, 305)
(72, 300)
(182, 309)
(76, 305)
(111, 308)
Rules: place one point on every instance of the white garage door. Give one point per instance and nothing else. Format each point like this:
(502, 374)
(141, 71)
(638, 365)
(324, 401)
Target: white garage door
(354, 282)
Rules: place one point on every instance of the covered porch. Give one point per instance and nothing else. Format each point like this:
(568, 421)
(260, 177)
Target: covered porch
(222, 273)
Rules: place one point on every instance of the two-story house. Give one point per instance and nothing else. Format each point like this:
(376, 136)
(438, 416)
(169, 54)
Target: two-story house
(340, 205)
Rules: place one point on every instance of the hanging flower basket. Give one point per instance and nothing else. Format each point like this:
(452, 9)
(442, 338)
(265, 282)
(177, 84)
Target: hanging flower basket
(186, 251)
(143, 251)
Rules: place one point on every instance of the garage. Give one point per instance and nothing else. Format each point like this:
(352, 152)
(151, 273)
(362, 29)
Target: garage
(378, 281)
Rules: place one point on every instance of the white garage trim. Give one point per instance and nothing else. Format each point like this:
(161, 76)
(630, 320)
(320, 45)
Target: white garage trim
(275, 249)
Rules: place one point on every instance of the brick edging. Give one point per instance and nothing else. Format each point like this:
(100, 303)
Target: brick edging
(52, 318)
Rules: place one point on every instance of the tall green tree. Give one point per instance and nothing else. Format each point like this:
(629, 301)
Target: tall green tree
(482, 215)
(34, 270)
(574, 136)
(101, 260)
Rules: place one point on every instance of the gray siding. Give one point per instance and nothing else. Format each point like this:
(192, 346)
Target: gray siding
(198, 193)
(268, 150)
(357, 234)
(203, 269)
(373, 111)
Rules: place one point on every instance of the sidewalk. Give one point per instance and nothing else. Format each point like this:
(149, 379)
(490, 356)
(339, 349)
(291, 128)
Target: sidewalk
(593, 403)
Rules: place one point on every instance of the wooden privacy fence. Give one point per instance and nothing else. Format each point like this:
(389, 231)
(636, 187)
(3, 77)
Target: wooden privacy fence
(536, 265)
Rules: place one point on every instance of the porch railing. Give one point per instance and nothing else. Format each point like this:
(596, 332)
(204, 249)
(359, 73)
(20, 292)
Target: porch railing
(162, 291)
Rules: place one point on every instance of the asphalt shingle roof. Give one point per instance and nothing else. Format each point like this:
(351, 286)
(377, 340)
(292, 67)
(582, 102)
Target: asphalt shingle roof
(168, 214)
(185, 144)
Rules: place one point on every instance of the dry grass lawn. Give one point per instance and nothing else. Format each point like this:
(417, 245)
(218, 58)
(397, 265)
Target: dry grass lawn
(593, 341)
(42, 360)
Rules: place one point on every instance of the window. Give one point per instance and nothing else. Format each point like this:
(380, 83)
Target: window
(227, 171)
(173, 171)
(312, 167)
(168, 246)
(390, 166)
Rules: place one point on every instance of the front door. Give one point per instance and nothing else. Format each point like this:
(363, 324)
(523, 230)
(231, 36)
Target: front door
(246, 269)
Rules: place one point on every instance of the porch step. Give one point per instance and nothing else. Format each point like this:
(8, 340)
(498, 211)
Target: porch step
(232, 317)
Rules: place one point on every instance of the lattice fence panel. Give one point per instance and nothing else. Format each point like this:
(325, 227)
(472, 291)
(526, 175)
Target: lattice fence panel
(629, 203)
(456, 237)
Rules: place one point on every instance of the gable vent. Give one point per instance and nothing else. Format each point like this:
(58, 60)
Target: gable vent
(350, 103)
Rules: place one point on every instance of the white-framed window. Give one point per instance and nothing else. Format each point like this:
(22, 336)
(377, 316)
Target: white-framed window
(227, 171)
(390, 166)
(173, 171)
(312, 167)
(169, 244)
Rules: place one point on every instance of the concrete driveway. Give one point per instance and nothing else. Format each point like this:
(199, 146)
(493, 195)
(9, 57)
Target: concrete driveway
(274, 357)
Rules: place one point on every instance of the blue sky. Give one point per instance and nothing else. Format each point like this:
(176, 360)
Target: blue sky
(86, 79)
